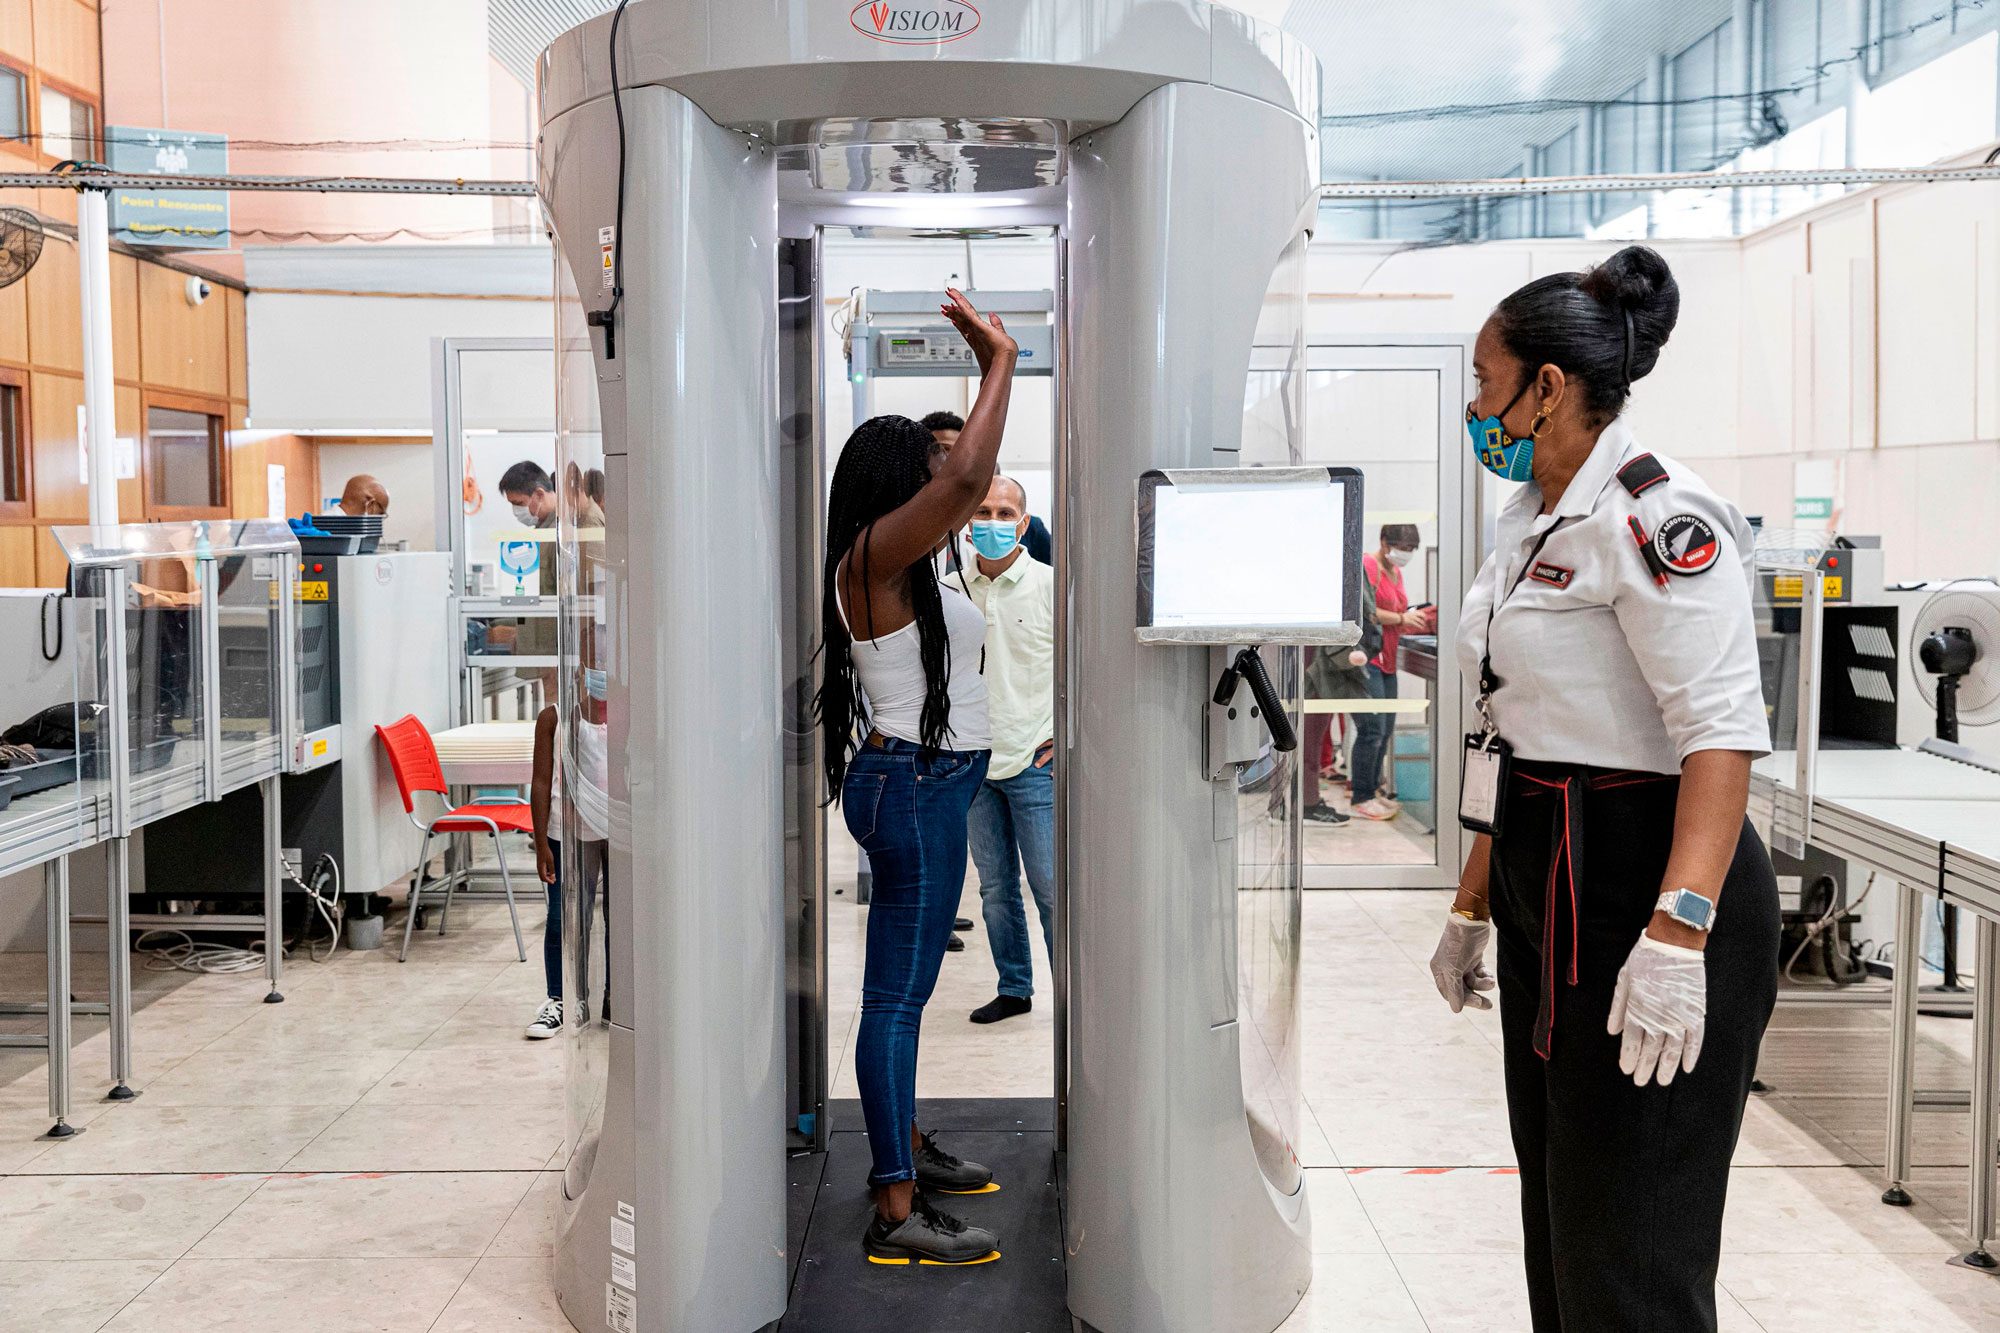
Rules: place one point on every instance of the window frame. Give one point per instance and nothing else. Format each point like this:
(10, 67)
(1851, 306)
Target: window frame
(74, 94)
(214, 408)
(30, 103)
(22, 510)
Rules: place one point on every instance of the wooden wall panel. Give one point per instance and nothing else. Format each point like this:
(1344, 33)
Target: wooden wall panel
(181, 346)
(55, 314)
(53, 401)
(124, 317)
(131, 490)
(252, 452)
(17, 556)
(57, 204)
(17, 33)
(246, 476)
(51, 565)
(14, 323)
(66, 42)
(237, 334)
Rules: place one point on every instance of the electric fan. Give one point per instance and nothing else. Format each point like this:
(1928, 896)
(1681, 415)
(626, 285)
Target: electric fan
(1955, 655)
(20, 244)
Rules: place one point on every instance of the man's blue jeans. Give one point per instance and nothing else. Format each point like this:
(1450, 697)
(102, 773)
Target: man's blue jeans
(908, 814)
(1013, 823)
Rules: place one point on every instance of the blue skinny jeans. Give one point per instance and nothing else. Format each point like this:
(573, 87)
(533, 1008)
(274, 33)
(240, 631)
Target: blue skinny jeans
(909, 814)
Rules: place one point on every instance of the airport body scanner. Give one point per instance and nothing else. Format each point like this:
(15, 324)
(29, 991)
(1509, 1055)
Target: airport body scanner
(1169, 148)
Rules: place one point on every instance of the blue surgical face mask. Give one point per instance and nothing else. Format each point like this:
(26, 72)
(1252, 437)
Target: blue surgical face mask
(596, 683)
(1498, 452)
(995, 541)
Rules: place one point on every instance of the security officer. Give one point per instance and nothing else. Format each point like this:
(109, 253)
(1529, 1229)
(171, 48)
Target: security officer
(1620, 709)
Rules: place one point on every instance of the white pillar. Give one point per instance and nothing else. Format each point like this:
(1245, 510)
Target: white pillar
(93, 243)
(1858, 74)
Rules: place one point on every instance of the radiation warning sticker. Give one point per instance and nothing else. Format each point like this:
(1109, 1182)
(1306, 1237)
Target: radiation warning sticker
(1686, 545)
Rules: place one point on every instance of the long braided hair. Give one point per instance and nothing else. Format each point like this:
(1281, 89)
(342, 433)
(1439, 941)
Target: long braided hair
(882, 466)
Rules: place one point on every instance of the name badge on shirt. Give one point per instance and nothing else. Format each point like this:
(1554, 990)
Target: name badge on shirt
(1483, 782)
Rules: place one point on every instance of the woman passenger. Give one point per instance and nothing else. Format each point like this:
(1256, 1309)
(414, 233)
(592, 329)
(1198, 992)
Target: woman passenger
(902, 707)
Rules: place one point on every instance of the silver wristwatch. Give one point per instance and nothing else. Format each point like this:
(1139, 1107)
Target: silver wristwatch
(1689, 908)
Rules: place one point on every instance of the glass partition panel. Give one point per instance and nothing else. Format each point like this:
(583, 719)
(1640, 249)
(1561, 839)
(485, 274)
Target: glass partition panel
(1268, 881)
(251, 657)
(43, 807)
(510, 486)
(511, 639)
(164, 713)
(144, 586)
(1375, 713)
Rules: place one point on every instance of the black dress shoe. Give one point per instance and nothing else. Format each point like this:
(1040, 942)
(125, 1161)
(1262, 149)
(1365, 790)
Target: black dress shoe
(954, 945)
(1002, 1006)
(961, 923)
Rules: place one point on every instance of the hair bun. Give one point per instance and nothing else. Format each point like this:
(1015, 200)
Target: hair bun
(1635, 279)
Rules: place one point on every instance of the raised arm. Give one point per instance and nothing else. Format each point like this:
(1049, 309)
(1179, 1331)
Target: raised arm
(912, 531)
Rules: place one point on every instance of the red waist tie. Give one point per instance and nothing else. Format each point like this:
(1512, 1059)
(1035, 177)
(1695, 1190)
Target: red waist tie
(1566, 850)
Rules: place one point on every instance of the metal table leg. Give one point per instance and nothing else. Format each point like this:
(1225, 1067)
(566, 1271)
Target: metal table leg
(118, 935)
(1903, 1042)
(55, 882)
(274, 903)
(1985, 1089)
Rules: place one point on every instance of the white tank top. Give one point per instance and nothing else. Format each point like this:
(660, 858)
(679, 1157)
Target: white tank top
(591, 787)
(891, 672)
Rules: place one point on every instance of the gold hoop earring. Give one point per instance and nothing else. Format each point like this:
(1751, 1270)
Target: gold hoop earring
(1540, 424)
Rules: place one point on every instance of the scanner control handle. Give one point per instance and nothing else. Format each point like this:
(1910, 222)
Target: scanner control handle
(1250, 667)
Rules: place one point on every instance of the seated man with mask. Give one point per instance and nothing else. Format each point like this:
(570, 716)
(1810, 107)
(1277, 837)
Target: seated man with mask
(1013, 819)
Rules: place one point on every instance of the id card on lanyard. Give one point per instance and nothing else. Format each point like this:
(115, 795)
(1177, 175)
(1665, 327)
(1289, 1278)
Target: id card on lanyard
(1482, 779)
(1488, 759)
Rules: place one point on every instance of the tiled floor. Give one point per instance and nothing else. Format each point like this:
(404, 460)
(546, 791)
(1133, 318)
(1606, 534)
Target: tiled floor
(374, 1154)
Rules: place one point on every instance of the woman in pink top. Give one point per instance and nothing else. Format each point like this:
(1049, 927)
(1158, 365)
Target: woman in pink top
(1383, 569)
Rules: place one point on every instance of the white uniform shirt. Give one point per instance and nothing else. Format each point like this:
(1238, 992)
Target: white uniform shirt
(1599, 664)
(1020, 607)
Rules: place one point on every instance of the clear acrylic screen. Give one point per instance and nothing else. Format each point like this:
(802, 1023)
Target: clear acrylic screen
(1248, 554)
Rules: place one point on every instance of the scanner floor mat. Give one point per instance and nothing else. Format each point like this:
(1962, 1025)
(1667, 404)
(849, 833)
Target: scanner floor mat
(836, 1290)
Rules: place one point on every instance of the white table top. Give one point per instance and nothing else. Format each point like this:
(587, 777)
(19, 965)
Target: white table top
(486, 740)
(1956, 822)
(498, 754)
(1885, 775)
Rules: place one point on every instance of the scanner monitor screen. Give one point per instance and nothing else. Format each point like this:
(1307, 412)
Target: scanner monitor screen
(1250, 555)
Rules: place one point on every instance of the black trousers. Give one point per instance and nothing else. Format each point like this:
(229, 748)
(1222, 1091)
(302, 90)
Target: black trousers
(1622, 1187)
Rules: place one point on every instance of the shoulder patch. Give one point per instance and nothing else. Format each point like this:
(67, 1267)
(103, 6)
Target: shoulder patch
(1641, 474)
(1686, 544)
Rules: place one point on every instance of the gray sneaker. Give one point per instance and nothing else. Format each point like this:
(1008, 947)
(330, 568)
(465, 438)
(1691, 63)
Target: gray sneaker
(928, 1236)
(942, 1173)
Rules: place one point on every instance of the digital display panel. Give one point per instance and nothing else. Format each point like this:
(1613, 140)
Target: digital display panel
(1251, 555)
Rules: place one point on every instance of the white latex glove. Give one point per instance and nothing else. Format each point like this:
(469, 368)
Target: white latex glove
(1661, 1007)
(1459, 965)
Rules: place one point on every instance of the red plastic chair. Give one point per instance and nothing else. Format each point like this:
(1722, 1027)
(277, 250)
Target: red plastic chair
(413, 759)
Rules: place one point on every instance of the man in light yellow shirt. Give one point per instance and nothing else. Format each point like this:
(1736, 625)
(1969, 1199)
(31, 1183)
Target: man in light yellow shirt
(1013, 819)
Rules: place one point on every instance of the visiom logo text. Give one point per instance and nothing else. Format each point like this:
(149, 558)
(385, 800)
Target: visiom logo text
(914, 24)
